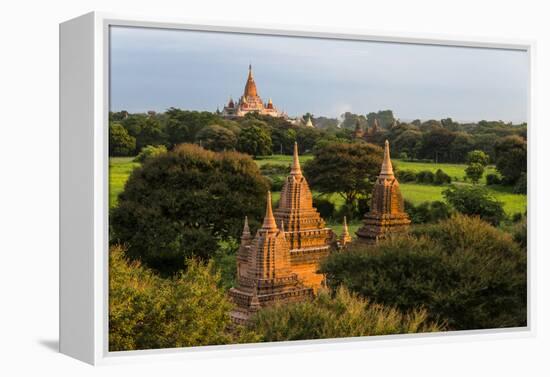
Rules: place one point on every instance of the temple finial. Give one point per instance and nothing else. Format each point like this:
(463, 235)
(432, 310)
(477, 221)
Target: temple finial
(269, 219)
(296, 169)
(246, 229)
(387, 168)
(345, 238)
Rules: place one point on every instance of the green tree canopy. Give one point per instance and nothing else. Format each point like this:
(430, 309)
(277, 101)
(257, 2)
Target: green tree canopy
(475, 201)
(120, 141)
(346, 169)
(217, 138)
(462, 270)
(254, 140)
(181, 203)
(477, 157)
(511, 157)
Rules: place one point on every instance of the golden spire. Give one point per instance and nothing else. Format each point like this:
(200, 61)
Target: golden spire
(269, 219)
(387, 169)
(296, 169)
(250, 87)
(345, 232)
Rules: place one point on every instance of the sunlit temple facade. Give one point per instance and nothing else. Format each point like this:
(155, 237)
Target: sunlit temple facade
(250, 102)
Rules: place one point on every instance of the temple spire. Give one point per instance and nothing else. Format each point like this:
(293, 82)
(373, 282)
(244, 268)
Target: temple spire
(296, 170)
(246, 229)
(387, 169)
(345, 238)
(269, 220)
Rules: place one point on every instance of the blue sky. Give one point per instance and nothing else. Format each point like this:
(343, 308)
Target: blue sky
(154, 69)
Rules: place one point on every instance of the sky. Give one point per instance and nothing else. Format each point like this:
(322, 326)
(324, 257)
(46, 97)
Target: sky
(154, 69)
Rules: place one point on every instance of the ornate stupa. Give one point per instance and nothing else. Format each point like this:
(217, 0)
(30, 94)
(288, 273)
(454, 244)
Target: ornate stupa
(250, 101)
(387, 211)
(308, 237)
(267, 276)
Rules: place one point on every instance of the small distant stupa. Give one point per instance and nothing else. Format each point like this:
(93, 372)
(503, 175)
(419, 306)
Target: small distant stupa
(309, 123)
(387, 211)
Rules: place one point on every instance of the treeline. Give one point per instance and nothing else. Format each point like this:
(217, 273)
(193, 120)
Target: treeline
(442, 140)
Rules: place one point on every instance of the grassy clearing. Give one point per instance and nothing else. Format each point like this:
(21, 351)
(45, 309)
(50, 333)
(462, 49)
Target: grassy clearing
(120, 169)
(456, 171)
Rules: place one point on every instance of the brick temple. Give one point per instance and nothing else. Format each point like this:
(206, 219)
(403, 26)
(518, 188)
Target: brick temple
(387, 211)
(309, 238)
(264, 272)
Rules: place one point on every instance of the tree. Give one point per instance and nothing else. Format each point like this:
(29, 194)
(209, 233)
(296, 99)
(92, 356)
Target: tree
(511, 158)
(346, 169)
(150, 151)
(436, 144)
(147, 312)
(255, 141)
(181, 203)
(342, 314)
(151, 133)
(477, 160)
(283, 140)
(408, 141)
(216, 138)
(465, 272)
(120, 141)
(475, 201)
(183, 126)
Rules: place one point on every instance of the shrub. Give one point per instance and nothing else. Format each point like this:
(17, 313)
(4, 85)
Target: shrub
(428, 212)
(477, 201)
(181, 203)
(403, 156)
(474, 172)
(462, 270)
(343, 314)
(521, 184)
(150, 151)
(425, 176)
(406, 176)
(146, 311)
(325, 207)
(441, 178)
(493, 179)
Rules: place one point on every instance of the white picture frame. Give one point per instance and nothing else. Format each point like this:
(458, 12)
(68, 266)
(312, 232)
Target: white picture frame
(84, 100)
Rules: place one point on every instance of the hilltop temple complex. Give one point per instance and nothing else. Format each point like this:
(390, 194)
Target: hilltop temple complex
(250, 102)
(387, 211)
(281, 261)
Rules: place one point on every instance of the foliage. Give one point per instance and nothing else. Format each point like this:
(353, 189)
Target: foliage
(405, 175)
(225, 262)
(493, 179)
(151, 133)
(428, 212)
(344, 168)
(216, 138)
(325, 207)
(462, 270)
(120, 141)
(425, 176)
(511, 158)
(150, 151)
(475, 201)
(342, 314)
(441, 178)
(183, 126)
(181, 203)
(255, 141)
(477, 157)
(147, 312)
(521, 184)
(474, 172)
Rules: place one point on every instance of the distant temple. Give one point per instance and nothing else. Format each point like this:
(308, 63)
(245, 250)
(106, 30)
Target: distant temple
(387, 211)
(250, 102)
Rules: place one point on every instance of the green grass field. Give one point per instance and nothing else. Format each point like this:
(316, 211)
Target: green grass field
(455, 171)
(121, 167)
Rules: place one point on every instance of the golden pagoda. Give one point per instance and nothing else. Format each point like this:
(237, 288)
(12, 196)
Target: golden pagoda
(387, 214)
(267, 276)
(308, 237)
(250, 102)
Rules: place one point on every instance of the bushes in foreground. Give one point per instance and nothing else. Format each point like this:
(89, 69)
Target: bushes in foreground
(463, 271)
(341, 314)
(147, 312)
(475, 201)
